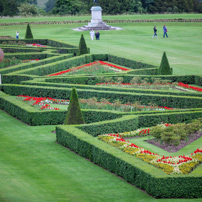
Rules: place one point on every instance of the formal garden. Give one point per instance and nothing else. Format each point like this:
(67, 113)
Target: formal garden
(119, 119)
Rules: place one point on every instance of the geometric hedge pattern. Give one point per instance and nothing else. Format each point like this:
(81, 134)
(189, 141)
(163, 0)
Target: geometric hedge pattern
(30, 79)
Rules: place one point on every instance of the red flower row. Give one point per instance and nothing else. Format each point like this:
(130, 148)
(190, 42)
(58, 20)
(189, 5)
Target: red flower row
(189, 87)
(36, 45)
(38, 100)
(87, 65)
(24, 61)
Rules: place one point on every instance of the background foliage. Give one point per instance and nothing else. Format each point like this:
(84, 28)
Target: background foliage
(112, 7)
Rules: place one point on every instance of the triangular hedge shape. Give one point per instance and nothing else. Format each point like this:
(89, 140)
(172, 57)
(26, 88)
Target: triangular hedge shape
(164, 68)
(82, 46)
(28, 34)
(74, 115)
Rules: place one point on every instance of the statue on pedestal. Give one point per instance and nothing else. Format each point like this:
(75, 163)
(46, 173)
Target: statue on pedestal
(95, 2)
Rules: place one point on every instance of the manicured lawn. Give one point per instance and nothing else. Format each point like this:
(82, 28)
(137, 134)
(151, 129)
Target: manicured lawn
(104, 17)
(33, 167)
(134, 42)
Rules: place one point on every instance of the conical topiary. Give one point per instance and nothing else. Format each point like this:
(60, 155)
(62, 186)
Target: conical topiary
(74, 115)
(82, 46)
(28, 34)
(164, 68)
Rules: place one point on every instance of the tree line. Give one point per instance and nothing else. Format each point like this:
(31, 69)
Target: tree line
(111, 7)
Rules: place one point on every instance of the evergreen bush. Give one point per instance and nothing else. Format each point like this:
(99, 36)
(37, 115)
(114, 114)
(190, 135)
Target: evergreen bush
(164, 68)
(82, 46)
(28, 34)
(74, 115)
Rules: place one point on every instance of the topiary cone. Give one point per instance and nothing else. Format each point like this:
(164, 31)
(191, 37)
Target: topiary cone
(164, 68)
(28, 34)
(82, 46)
(74, 115)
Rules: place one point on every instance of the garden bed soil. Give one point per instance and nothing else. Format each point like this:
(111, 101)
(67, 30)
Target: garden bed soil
(171, 148)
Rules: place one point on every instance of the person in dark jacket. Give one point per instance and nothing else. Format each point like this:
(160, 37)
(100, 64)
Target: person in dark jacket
(155, 32)
(97, 35)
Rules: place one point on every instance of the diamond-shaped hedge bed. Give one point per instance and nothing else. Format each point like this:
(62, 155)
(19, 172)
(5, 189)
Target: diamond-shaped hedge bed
(32, 79)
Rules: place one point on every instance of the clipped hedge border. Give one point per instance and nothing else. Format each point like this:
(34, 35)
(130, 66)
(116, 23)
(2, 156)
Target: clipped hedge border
(35, 64)
(48, 42)
(107, 21)
(35, 117)
(124, 97)
(145, 176)
(108, 88)
(56, 66)
(27, 56)
(92, 80)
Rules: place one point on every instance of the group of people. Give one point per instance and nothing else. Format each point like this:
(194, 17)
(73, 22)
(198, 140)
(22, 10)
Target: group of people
(164, 32)
(96, 35)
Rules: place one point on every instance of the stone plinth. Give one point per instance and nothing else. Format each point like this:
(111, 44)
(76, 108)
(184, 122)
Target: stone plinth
(96, 21)
(1, 55)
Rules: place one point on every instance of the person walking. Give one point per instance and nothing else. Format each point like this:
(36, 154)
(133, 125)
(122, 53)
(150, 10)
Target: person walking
(165, 31)
(155, 32)
(97, 35)
(17, 35)
(92, 34)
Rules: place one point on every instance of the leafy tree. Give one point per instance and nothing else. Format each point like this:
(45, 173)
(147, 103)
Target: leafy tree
(27, 9)
(136, 6)
(82, 46)
(8, 8)
(174, 6)
(74, 115)
(49, 5)
(63, 7)
(28, 34)
(164, 68)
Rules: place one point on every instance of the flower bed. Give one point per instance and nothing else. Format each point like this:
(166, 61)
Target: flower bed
(190, 87)
(90, 64)
(170, 165)
(94, 104)
(142, 85)
(39, 101)
(35, 45)
(30, 60)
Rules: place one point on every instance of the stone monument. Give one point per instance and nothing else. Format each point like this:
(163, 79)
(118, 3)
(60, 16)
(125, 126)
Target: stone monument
(1, 55)
(96, 21)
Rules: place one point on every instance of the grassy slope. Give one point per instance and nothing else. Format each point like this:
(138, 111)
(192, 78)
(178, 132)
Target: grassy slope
(104, 17)
(35, 168)
(134, 42)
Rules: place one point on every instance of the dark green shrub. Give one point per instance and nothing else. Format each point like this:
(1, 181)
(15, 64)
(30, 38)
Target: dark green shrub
(74, 115)
(170, 138)
(82, 46)
(28, 34)
(156, 132)
(164, 68)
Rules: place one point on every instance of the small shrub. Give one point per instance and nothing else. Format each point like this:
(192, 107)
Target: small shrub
(28, 34)
(82, 46)
(74, 115)
(164, 68)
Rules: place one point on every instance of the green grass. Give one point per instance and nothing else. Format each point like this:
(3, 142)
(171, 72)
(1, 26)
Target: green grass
(35, 168)
(104, 17)
(135, 41)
